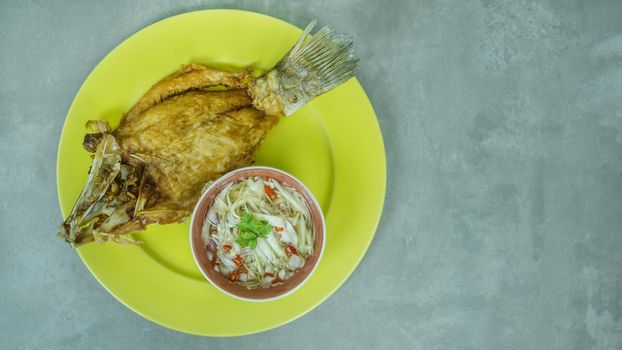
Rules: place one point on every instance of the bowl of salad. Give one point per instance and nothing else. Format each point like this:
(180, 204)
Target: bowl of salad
(257, 233)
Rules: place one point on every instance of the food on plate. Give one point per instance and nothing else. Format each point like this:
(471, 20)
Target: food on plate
(258, 232)
(181, 135)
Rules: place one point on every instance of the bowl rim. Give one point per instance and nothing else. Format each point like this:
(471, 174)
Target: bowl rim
(314, 202)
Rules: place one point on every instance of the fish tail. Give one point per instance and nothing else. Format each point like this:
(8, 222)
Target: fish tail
(308, 70)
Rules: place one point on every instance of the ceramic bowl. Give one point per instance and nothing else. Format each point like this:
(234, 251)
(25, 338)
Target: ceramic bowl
(200, 250)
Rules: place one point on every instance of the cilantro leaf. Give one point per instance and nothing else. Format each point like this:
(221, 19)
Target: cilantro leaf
(250, 229)
(248, 235)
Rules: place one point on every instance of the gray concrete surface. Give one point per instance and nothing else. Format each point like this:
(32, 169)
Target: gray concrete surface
(503, 217)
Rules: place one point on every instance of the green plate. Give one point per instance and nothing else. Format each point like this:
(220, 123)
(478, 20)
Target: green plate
(333, 145)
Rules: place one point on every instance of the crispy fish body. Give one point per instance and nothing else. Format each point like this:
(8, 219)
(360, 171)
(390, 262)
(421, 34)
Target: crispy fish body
(190, 76)
(193, 138)
(180, 136)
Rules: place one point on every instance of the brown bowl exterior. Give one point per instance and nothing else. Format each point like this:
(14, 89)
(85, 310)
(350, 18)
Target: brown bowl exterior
(199, 250)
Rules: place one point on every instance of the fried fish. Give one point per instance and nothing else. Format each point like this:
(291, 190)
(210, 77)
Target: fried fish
(180, 136)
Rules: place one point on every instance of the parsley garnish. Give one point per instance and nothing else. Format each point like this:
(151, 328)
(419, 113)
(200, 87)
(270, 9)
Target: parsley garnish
(250, 229)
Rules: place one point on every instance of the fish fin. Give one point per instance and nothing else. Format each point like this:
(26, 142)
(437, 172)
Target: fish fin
(309, 69)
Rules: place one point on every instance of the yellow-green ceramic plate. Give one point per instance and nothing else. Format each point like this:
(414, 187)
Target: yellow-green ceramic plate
(333, 145)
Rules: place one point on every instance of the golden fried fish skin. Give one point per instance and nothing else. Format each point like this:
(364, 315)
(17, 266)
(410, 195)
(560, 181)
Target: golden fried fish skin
(180, 136)
(189, 77)
(194, 138)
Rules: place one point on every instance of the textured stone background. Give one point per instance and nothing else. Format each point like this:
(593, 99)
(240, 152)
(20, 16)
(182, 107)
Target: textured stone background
(503, 218)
